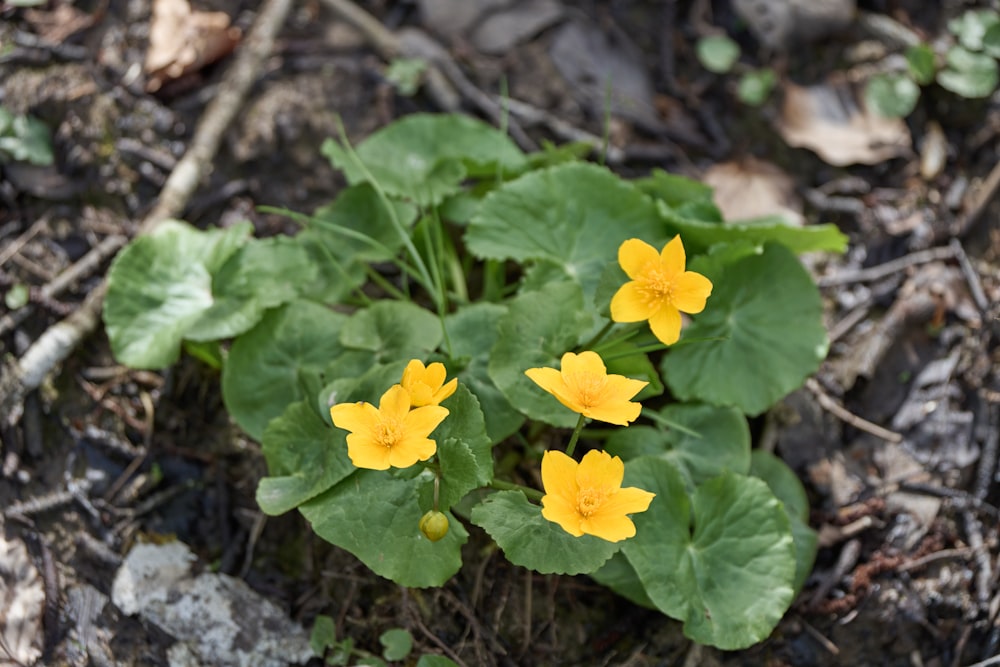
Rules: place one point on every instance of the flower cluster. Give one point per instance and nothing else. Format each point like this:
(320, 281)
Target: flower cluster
(396, 433)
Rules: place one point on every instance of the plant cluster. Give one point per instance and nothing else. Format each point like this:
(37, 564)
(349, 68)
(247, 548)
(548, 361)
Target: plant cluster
(414, 360)
(24, 138)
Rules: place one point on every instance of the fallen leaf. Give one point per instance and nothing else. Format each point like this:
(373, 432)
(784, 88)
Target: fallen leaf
(182, 41)
(752, 188)
(56, 25)
(21, 603)
(829, 120)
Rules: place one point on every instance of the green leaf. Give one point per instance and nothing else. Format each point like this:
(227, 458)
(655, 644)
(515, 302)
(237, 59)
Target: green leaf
(430, 660)
(28, 140)
(262, 274)
(160, 286)
(787, 488)
(405, 75)
(698, 235)
(991, 41)
(464, 450)
(529, 540)
(891, 95)
(397, 643)
(574, 215)
(323, 635)
(722, 562)
(767, 312)
(674, 190)
(971, 75)
(921, 64)
(393, 330)
(970, 28)
(425, 157)
(537, 330)
(358, 378)
(755, 86)
(266, 365)
(624, 358)
(472, 330)
(17, 296)
(305, 457)
(375, 516)
(722, 443)
(358, 210)
(717, 53)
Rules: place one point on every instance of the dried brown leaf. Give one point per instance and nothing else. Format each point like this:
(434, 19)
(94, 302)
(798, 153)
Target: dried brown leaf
(752, 188)
(182, 41)
(22, 600)
(829, 120)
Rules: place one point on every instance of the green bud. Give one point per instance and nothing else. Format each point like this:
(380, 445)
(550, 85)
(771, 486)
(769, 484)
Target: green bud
(434, 525)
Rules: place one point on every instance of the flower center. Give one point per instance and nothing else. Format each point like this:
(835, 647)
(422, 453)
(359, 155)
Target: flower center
(589, 388)
(589, 501)
(387, 432)
(658, 286)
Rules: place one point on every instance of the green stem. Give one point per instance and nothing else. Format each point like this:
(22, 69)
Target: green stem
(381, 281)
(596, 338)
(532, 494)
(576, 435)
(663, 421)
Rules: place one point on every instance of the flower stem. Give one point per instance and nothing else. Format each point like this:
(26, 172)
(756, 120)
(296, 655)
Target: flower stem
(532, 494)
(576, 435)
(598, 336)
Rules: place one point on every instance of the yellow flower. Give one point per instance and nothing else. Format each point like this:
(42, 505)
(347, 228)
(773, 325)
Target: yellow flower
(584, 386)
(426, 385)
(587, 498)
(660, 289)
(392, 435)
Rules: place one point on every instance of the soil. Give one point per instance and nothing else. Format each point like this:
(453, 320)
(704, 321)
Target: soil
(104, 457)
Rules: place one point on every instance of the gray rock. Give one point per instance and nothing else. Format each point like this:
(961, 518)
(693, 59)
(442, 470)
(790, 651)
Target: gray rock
(501, 31)
(454, 18)
(781, 24)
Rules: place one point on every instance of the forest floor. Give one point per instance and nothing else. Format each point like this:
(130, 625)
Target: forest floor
(895, 438)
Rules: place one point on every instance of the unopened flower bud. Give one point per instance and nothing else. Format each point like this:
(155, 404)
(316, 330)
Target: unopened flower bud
(434, 525)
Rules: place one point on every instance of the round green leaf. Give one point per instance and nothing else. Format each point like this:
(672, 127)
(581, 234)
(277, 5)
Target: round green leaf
(991, 40)
(722, 441)
(755, 86)
(305, 457)
(531, 541)
(891, 95)
(574, 215)
(160, 286)
(263, 274)
(425, 157)
(376, 517)
(397, 643)
(787, 488)
(472, 330)
(431, 660)
(970, 28)
(921, 63)
(619, 575)
(717, 53)
(538, 329)
(729, 576)
(393, 330)
(270, 366)
(17, 296)
(969, 74)
(766, 312)
(674, 190)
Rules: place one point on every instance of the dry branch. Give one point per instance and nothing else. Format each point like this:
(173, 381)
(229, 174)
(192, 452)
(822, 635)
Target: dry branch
(20, 377)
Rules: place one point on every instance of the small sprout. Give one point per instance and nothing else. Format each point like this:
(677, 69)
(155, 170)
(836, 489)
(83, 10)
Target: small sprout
(755, 87)
(434, 525)
(718, 53)
(920, 61)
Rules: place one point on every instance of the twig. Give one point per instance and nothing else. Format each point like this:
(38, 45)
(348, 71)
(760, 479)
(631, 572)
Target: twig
(984, 571)
(935, 556)
(18, 243)
(971, 277)
(986, 193)
(888, 268)
(56, 343)
(823, 640)
(829, 404)
(848, 558)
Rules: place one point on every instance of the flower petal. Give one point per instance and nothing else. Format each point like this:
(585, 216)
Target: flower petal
(673, 256)
(613, 528)
(621, 413)
(623, 388)
(666, 325)
(563, 512)
(690, 292)
(366, 453)
(634, 255)
(629, 500)
(413, 373)
(446, 390)
(434, 375)
(395, 403)
(599, 470)
(410, 449)
(559, 476)
(354, 417)
(420, 422)
(552, 381)
(585, 362)
(631, 304)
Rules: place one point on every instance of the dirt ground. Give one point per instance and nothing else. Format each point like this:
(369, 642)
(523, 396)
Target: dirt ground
(895, 438)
